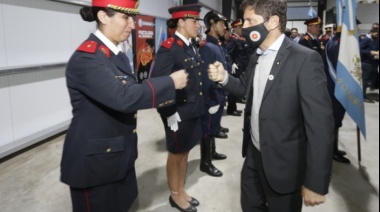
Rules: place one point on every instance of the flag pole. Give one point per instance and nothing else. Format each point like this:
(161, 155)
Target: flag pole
(359, 145)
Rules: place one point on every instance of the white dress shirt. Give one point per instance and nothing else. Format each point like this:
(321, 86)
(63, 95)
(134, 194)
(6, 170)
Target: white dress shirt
(115, 49)
(262, 75)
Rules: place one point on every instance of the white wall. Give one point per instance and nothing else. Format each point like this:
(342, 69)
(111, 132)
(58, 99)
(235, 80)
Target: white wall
(158, 8)
(36, 32)
(216, 5)
(366, 13)
(36, 105)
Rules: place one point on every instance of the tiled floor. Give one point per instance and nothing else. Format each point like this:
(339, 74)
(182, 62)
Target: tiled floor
(30, 181)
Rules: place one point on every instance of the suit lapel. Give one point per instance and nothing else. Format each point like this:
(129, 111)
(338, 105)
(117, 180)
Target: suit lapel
(251, 75)
(277, 66)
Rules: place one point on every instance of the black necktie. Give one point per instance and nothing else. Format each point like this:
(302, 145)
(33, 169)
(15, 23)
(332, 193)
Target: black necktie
(192, 48)
(123, 57)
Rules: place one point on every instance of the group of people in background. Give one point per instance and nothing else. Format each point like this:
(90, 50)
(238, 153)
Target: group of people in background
(288, 126)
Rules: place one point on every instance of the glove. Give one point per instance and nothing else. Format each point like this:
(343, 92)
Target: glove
(173, 121)
(214, 109)
(234, 68)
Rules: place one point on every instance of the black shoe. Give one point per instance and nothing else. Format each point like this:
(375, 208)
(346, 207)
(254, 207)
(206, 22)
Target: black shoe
(234, 113)
(217, 156)
(211, 170)
(194, 202)
(225, 130)
(239, 111)
(369, 100)
(340, 152)
(191, 208)
(221, 134)
(341, 159)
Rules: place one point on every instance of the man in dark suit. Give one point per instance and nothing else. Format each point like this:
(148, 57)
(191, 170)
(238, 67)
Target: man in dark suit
(288, 125)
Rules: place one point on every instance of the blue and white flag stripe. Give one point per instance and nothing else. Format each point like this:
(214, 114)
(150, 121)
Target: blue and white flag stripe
(348, 89)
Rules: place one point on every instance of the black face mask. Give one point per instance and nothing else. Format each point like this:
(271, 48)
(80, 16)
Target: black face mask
(255, 35)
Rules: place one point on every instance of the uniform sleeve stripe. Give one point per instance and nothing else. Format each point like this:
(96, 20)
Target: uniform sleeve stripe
(153, 94)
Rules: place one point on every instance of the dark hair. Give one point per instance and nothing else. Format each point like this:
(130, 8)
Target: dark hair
(287, 32)
(294, 29)
(374, 30)
(173, 23)
(268, 8)
(90, 14)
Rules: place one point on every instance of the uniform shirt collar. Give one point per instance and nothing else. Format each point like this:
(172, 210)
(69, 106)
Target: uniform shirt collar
(274, 47)
(115, 49)
(187, 41)
(312, 36)
(213, 40)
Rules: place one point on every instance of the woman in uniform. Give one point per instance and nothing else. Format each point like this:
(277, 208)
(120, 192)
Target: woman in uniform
(182, 121)
(100, 149)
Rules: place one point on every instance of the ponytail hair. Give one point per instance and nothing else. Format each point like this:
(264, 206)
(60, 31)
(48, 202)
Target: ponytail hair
(172, 23)
(87, 14)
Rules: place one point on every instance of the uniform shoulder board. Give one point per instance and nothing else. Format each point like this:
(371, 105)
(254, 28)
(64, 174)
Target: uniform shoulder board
(234, 36)
(242, 38)
(88, 46)
(168, 43)
(105, 50)
(306, 37)
(203, 43)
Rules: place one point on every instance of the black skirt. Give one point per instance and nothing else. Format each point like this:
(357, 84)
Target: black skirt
(188, 135)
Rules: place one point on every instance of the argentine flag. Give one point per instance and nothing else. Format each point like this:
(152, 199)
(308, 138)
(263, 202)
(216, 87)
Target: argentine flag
(348, 89)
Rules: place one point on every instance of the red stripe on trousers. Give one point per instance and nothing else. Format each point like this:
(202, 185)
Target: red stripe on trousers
(87, 200)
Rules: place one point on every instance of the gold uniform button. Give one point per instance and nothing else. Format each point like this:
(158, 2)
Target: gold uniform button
(201, 84)
(135, 116)
(109, 150)
(201, 93)
(134, 131)
(200, 74)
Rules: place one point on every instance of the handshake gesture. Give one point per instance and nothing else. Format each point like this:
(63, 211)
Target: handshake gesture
(216, 72)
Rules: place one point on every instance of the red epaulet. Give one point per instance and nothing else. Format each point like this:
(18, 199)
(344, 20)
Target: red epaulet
(242, 38)
(168, 43)
(203, 43)
(234, 37)
(105, 50)
(306, 37)
(180, 43)
(88, 46)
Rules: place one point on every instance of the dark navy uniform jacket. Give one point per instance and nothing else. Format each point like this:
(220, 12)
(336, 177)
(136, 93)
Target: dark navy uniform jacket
(238, 49)
(311, 43)
(101, 142)
(332, 49)
(173, 56)
(211, 50)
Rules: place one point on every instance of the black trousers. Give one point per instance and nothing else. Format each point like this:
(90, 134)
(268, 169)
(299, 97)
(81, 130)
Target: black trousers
(256, 193)
(116, 197)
